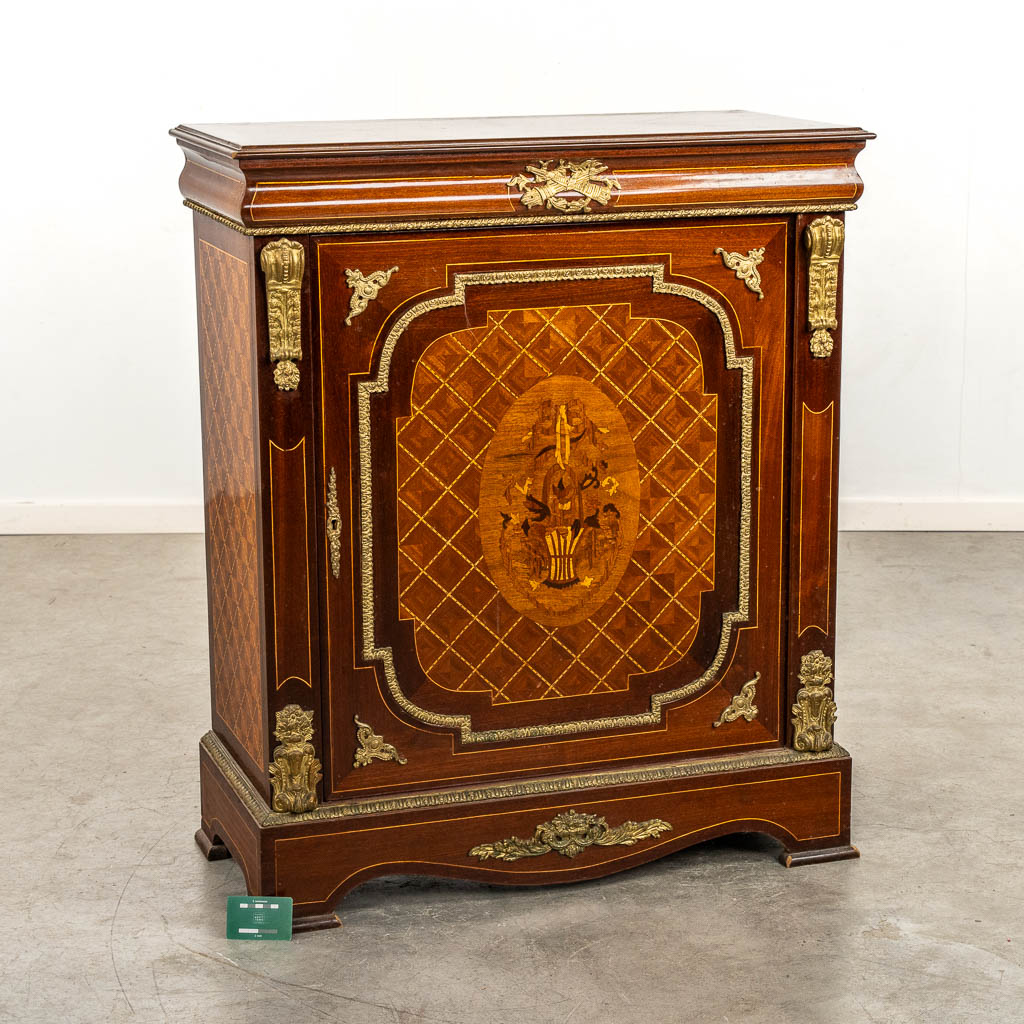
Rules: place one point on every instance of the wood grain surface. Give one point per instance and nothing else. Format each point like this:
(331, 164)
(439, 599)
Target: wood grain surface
(585, 467)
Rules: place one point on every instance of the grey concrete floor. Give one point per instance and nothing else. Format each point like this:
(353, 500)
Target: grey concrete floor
(111, 914)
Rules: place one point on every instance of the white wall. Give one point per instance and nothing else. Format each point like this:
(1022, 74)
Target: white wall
(100, 414)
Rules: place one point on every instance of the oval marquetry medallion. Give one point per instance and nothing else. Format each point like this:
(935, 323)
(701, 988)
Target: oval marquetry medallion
(559, 504)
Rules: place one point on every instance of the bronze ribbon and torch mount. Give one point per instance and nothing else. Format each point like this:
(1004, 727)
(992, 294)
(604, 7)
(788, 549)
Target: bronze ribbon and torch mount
(296, 770)
(570, 187)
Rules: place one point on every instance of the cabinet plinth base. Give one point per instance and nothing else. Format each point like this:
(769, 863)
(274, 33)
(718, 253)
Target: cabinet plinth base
(498, 833)
(797, 858)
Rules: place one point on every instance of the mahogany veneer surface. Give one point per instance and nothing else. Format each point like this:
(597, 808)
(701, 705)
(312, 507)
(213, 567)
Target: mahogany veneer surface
(541, 533)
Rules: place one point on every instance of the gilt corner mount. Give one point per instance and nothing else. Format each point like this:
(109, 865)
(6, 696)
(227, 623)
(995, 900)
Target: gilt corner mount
(742, 705)
(373, 745)
(745, 267)
(364, 289)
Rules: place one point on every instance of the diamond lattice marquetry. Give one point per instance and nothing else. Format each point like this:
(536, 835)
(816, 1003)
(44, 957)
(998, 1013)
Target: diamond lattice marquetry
(233, 524)
(468, 637)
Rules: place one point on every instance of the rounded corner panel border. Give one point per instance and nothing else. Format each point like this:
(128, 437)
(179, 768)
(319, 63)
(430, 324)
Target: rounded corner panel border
(381, 384)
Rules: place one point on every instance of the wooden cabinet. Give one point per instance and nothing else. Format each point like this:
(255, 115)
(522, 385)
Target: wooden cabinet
(520, 442)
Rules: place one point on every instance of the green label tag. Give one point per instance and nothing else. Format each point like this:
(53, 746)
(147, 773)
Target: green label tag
(259, 917)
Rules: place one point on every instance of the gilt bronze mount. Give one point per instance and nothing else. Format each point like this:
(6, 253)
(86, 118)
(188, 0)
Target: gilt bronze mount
(295, 770)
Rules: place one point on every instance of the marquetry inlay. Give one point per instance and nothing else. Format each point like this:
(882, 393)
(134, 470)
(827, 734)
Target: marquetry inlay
(556, 497)
(559, 494)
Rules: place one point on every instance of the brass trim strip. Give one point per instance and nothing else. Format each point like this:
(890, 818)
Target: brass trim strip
(381, 385)
(266, 818)
(354, 227)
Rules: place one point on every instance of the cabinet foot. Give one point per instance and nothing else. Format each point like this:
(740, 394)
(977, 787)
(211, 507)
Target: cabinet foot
(800, 857)
(315, 923)
(212, 848)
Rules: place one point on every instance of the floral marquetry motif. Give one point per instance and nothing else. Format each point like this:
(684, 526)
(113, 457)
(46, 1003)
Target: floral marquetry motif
(556, 496)
(559, 507)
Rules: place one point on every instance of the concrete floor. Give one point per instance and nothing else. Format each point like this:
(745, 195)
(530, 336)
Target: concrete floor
(111, 914)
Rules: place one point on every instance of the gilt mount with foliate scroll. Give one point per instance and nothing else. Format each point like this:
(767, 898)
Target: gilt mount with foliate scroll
(823, 239)
(295, 771)
(364, 289)
(814, 713)
(333, 523)
(372, 745)
(745, 267)
(741, 706)
(283, 264)
(569, 834)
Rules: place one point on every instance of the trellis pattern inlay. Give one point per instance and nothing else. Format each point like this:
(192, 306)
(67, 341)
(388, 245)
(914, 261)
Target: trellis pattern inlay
(468, 636)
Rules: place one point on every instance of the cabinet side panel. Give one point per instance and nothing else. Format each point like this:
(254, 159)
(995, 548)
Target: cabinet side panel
(233, 524)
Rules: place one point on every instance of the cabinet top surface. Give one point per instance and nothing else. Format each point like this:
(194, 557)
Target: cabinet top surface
(295, 138)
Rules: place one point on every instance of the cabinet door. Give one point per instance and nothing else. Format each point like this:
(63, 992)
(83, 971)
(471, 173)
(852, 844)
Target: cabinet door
(558, 458)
